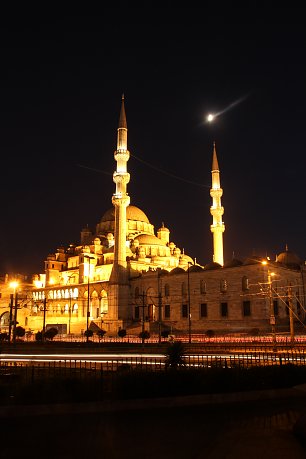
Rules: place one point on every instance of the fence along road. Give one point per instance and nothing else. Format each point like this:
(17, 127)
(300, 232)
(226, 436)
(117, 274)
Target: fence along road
(155, 362)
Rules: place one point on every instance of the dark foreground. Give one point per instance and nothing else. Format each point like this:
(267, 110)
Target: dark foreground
(259, 425)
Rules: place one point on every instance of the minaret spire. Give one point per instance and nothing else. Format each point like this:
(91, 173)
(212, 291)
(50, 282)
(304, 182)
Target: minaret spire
(216, 210)
(118, 292)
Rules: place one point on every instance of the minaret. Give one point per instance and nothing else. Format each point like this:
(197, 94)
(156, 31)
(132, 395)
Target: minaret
(118, 283)
(216, 210)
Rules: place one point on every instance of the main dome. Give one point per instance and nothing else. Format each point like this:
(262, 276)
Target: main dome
(132, 213)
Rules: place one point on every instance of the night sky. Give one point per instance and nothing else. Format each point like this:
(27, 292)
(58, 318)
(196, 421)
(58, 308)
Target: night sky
(61, 84)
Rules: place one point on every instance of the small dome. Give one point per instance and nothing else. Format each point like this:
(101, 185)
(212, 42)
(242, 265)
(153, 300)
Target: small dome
(163, 228)
(177, 270)
(253, 260)
(149, 239)
(233, 263)
(212, 265)
(163, 272)
(185, 259)
(289, 259)
(132, 213)
(195, 268)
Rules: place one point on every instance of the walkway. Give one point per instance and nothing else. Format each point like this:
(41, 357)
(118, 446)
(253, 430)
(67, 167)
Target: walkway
(250, 425)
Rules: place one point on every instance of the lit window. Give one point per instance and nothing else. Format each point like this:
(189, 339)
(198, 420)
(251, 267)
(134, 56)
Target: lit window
(245, 284)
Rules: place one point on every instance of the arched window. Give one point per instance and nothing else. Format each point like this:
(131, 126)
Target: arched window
(167, 290)
(245, 284)
(184, 289)
(203, 286)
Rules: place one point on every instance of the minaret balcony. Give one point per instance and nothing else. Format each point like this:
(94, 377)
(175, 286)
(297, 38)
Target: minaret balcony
(217, 228)
(121, 177)
(217, 211)
(122, 155)
(120, 200)
(216, 192)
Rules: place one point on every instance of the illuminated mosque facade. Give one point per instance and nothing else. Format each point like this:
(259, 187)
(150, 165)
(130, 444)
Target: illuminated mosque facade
(124, 276)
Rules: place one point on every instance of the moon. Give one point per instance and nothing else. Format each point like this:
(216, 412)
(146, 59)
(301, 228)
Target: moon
(210, 117)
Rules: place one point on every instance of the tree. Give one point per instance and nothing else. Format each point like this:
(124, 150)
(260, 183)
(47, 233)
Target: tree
(50, 333)
(88, 333)
(20, 332)
(175, 355)
(122, 332)
(165, 333)
(3, 336)
(39, 336)
(101, 333)
(144, 335)
(210, 333)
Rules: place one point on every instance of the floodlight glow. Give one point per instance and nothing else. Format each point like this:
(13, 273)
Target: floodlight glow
(14, 284)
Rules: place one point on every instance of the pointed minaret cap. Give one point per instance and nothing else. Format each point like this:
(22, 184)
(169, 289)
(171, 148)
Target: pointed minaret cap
(215, 165)
(122, 119)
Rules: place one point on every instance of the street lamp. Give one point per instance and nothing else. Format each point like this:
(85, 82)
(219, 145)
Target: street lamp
(44, 318)
(189, 310)
(13, 296)
(272, 316)
(88, 297)
(271, 308)
(69, 311)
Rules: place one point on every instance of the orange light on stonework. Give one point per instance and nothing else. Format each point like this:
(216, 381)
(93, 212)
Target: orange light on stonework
(38, 284)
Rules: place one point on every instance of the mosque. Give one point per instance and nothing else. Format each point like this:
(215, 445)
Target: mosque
(124, 276)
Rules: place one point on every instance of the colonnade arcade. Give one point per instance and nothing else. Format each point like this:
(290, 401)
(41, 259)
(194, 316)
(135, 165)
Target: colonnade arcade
(73, 300)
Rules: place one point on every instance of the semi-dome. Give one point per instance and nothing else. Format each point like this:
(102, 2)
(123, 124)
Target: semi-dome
(212, 265)
(233, 263)
(132, 213)
(149, 239)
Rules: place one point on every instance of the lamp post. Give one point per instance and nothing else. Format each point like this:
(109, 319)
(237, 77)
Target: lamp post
(13, 303)
(71, 276)
(272, 316)
(44, 319)
(69, 312)
(159, 308)
(11, 316)
(291, 319)
(189, 310)
(88, 297)
(271, 305)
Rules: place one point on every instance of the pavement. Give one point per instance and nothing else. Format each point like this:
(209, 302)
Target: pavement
(251, 425)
